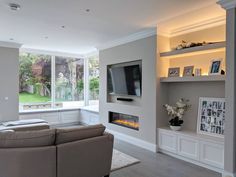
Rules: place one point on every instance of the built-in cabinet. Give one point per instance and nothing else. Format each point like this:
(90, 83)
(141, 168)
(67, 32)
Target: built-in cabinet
(187, 144)
(54, 117)
(188, 147)
(89, 117)
(69, 116)
(199, 149)
(212, 153)
(60, 117)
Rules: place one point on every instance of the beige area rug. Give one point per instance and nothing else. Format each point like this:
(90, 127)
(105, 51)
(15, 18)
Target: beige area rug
(121, 160)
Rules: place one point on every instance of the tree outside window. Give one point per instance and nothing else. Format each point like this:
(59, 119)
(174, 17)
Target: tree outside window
(34, 79)
(93, 63)
(69, 80)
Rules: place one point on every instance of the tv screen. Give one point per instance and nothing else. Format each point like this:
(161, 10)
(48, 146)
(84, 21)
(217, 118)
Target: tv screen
(125, 79)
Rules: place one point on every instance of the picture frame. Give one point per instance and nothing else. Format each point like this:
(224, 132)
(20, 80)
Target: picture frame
(198, 72)
(188, 71)
(215, 67)
(174, 72)
(211, 116)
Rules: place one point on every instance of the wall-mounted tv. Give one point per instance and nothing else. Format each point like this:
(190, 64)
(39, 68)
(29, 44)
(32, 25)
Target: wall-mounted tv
(125, 78)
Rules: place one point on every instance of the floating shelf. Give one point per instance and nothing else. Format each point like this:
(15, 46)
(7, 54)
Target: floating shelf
(209, 48)
(213, 78)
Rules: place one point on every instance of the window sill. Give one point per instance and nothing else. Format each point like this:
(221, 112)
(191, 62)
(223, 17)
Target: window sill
(47, 110)
(94, 109)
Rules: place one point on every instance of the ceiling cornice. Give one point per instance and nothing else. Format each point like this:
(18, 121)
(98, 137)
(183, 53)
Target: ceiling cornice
(227, 4)
(91, 54)
(163, 32)
(130, 38)
(221, 20)
(54, 53)
(10, 44)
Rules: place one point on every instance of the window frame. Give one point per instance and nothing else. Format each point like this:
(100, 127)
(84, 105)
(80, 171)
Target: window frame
(53, 76)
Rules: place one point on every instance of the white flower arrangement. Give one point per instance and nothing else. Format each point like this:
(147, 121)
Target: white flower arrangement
(176, 113)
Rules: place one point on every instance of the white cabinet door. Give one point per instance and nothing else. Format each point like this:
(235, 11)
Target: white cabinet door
(188, 147)
(89, 118)
(30, 116)
(69, 116)
(51, 118)
(167, 141)
(212, 154)
(94, 118)
(84, 118)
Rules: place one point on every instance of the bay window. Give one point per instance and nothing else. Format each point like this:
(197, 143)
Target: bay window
(57, 82)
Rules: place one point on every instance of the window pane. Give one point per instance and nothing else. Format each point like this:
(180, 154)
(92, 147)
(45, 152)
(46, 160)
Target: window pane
(34, 81)
(93, 80)
(69, 81)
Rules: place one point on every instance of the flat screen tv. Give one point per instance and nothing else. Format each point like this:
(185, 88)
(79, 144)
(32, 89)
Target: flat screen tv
(125, 78)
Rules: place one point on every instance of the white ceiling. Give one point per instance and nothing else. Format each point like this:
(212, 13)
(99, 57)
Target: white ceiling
(38, 24)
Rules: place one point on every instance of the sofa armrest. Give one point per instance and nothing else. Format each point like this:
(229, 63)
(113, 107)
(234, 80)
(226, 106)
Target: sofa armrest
(86, 158)
(28, 162)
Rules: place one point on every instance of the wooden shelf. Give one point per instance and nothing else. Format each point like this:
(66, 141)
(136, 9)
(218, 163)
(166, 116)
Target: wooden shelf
(213, 78)
(209, 48)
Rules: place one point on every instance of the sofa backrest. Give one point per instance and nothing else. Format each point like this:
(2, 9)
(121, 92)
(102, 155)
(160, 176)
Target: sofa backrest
(66, 135)
(48, 137)
(27, 139)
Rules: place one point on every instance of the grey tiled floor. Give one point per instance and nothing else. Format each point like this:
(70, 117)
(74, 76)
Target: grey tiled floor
(158, 165)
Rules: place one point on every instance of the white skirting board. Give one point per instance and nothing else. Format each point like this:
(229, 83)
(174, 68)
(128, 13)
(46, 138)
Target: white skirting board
(134, 141)
(227, 174)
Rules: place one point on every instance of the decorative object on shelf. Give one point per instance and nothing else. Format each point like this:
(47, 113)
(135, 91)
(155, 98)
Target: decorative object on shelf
(188, 71)
(185, 44)
(222, 72)
(176, 113)
(174, 72)
(211, 116)
(215, 68)
(198, 72)
(206, 48)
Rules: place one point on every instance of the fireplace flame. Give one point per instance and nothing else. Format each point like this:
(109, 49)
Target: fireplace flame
(127, 123)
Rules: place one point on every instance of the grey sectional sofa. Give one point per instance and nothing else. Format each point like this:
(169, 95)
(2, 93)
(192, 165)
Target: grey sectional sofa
(71, 152)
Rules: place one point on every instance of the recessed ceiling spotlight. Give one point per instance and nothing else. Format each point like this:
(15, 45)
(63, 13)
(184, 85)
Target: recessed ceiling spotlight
(63, 26)
(11, 39)
(87, 10)
(46, 37)
(14, 6)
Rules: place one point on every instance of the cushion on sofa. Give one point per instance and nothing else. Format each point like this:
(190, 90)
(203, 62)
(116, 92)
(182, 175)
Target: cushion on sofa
(73, 134)
(27, 139)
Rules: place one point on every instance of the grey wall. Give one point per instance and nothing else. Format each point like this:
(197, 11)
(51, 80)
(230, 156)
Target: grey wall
(9, 79)
(144, 107)
(193, 91)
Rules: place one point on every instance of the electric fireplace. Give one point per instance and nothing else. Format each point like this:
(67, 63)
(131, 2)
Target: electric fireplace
(124, 120)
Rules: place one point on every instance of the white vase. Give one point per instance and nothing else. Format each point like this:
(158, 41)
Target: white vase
(175, 128)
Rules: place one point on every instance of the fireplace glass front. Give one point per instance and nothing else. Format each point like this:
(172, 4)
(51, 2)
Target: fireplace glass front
(124, 120)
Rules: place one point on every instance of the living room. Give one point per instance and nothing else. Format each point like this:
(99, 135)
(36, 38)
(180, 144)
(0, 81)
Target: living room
(115, 92)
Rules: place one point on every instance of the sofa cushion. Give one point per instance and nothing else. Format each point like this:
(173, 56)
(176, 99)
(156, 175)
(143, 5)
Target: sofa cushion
(74, 134)
(27, 139)
(4, 131)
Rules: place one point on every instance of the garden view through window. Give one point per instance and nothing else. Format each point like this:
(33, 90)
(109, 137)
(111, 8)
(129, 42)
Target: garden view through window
(93, 66)
(57, 82)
